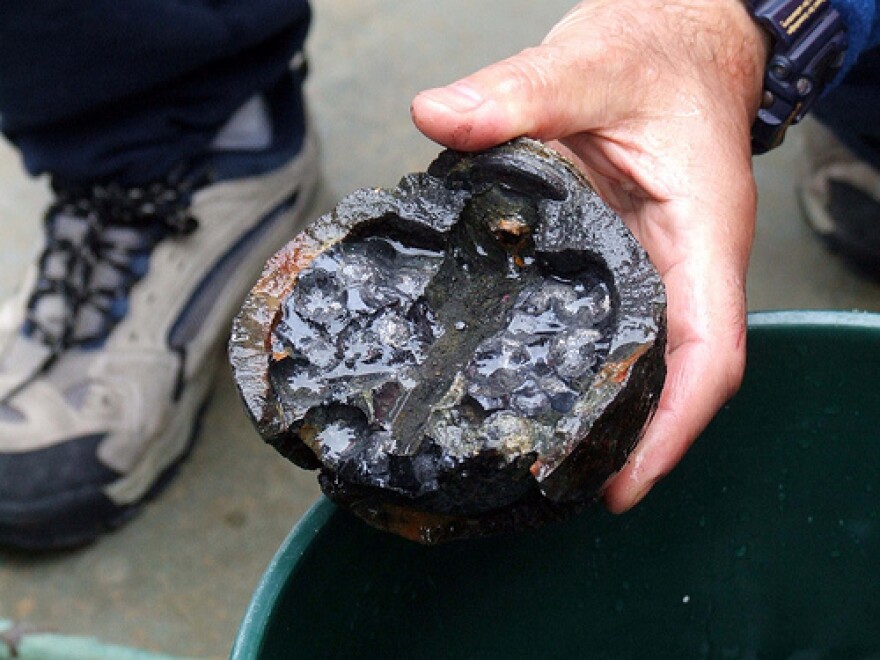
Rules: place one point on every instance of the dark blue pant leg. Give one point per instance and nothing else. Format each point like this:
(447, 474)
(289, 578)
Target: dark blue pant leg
(108, 89)
(852, 109)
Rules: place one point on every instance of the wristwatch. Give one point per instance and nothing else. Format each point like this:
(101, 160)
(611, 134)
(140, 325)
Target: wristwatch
(809, 42)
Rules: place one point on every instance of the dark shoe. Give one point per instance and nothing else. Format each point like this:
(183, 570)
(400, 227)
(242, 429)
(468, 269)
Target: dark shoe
(840, 199)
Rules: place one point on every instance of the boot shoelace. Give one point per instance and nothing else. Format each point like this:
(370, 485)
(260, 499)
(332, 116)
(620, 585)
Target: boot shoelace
(98, 244)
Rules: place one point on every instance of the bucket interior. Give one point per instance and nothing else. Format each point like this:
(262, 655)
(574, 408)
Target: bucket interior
(764, 542)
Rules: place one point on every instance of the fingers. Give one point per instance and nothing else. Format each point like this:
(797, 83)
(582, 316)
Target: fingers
(705, 362)
(602, 64)
(699, 381)
(542, 93)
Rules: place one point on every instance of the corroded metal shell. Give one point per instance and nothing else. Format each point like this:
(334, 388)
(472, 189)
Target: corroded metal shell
(475, 351)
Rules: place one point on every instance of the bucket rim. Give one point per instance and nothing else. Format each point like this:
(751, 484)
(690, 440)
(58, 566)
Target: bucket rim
(805, 318)
(259, 612)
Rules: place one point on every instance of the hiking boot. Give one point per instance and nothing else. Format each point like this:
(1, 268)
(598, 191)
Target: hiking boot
(109, 351)
(840, 199)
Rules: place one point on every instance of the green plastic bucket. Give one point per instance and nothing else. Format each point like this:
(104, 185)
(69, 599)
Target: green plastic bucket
(763, 543)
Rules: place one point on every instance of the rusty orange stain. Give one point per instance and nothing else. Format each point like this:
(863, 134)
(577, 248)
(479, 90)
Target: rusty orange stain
(411, 524)
(617, 371)
(308, 433)
(536, 467)
(513, 226)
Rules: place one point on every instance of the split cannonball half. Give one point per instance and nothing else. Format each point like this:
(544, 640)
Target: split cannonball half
(475, 351)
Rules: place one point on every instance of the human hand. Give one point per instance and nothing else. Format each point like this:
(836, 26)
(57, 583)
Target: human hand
(654, 99)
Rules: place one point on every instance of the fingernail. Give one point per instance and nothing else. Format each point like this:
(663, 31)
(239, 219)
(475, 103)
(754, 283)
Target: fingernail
(457, 97)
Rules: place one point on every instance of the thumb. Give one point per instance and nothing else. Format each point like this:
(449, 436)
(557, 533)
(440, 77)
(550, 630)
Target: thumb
(542, 92)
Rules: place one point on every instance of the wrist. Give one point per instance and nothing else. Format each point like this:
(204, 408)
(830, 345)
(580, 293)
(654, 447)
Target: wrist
(748, 50)
(726, 50)
(729, 51)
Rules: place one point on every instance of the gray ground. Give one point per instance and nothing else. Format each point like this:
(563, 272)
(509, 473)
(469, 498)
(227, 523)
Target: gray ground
(179, 577)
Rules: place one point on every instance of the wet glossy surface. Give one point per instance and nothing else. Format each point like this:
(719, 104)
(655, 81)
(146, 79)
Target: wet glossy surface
(442, 349)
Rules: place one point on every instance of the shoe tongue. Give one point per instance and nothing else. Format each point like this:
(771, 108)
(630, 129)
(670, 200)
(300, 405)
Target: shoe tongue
(90, 322)
(68, 237)
(83, 270)
(70, 228)
(249, 129)
(51, 311)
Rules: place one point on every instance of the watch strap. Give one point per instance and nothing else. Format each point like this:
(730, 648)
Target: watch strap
(809, 42)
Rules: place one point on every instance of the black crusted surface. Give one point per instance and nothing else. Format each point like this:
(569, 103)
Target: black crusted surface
(472, 352)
